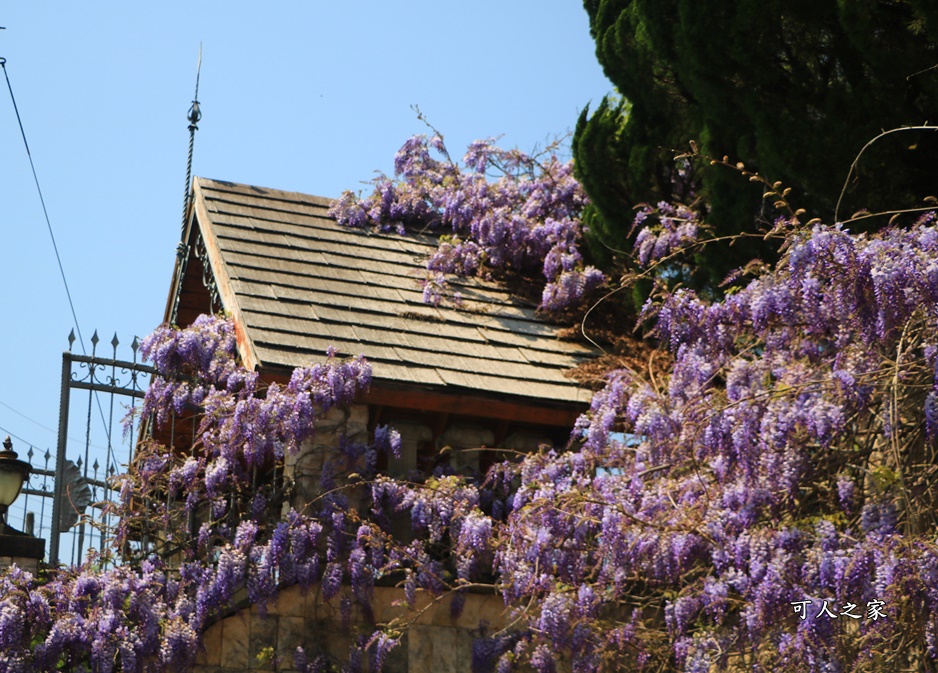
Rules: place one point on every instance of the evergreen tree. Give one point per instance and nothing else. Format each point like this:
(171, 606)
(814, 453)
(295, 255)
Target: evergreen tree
(792, 89)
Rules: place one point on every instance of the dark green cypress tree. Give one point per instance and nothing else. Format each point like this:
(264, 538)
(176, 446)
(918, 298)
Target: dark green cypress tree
(792, 88)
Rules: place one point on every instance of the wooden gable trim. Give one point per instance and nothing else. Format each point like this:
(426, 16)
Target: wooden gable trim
(226, 293)
(180, 269)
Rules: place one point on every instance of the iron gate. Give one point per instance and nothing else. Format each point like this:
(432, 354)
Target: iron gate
(82, 486)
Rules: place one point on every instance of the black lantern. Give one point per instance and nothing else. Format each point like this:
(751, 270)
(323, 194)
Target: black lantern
(13, 473)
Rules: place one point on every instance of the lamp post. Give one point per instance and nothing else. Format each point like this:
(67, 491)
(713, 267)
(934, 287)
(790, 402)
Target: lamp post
(16, 547)
(13, 473)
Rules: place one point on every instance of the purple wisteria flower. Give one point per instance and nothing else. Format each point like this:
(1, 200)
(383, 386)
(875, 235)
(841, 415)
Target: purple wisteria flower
(503, 211)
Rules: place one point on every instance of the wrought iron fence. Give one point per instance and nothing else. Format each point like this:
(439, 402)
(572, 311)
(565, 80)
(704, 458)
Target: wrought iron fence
(64, 501)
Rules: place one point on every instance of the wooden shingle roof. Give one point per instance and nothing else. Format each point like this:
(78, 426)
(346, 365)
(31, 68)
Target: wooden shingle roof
(298, 283)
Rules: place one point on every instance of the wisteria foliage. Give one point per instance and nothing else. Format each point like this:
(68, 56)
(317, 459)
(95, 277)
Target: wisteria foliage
(148, 615)
(702, 517)
(787, 456)
(501, 211)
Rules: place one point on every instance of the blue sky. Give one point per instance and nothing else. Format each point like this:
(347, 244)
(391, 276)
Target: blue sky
(302, 96)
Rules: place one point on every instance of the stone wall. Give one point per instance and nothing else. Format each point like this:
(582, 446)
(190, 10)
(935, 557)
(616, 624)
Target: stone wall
(265, 640)
(433, 642)
(305, 467)
(21, 550)
(30, 564)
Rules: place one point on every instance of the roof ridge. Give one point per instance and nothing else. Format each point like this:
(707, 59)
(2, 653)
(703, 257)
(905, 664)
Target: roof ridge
(264, 192)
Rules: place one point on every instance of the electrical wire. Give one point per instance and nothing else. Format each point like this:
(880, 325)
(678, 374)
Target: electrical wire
(45, 427)
(17, 437)
(31, 420)
(45, 212)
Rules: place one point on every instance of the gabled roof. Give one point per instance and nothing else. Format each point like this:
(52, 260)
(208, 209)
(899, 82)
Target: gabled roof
(296, 282)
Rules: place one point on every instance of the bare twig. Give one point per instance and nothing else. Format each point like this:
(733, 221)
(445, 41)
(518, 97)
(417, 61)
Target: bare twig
(900, 129)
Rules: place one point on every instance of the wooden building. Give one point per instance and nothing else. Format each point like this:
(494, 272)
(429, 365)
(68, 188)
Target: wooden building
(295, 282)
(487, 373)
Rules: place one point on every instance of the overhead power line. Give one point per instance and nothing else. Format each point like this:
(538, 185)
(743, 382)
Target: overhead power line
(44, 427)
(45, 212)
(17, 437)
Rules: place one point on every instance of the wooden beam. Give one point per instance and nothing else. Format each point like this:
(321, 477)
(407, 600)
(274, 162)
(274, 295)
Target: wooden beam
(533, 412)
(501, 432)
(439, 425)
(374, 417)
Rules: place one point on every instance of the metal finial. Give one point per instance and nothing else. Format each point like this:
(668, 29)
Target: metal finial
(8, 443)
(135, 344)
(94, 338)
(198, 71)
(71, 339)
(195, 114)
(114, 341)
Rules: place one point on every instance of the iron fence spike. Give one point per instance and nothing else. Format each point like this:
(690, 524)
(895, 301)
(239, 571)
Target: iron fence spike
(114, 341)
(30, 454)
(71, 339)
(95, 466)
(94, 338)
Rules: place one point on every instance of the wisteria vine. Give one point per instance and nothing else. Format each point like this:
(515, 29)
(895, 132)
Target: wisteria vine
(769, 502)
(502, 210)
(785, 462)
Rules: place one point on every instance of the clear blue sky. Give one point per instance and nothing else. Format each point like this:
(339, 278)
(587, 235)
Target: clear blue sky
(302, 96)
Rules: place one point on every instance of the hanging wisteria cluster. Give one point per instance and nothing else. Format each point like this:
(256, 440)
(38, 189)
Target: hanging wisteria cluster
(767, 503)
(197, 528)
(240, 431)
(664, 230)
(148, 615)
(503, 210)
(779, 512)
